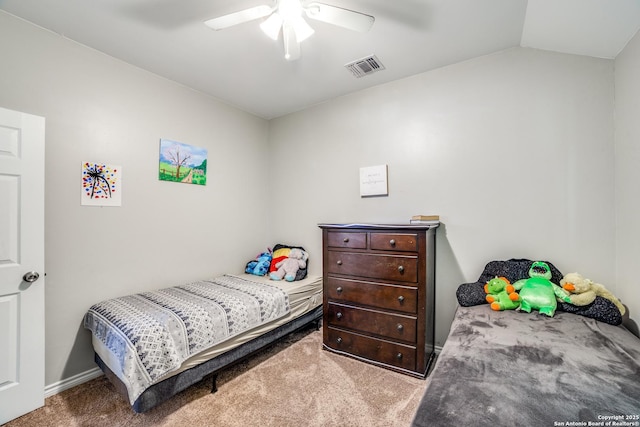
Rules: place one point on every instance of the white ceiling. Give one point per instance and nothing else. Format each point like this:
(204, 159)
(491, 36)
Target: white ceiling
(244, 68)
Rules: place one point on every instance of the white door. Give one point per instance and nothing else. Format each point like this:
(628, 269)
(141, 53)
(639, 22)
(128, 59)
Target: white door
(21, 261)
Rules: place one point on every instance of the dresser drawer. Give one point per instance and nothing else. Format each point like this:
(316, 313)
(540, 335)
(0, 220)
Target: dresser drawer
(391, 297)
(388, 325)
(340, 239)
(385, 267)
(394, 354)
(394, 242)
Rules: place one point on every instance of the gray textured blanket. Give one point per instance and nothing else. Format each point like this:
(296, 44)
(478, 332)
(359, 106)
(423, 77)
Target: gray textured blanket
(507, 368)
(150, 334)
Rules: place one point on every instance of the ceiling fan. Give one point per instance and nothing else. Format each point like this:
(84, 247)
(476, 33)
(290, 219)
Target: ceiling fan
(287, 15)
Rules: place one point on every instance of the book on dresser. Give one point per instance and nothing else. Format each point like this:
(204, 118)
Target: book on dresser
(425, 219)
(379, 294)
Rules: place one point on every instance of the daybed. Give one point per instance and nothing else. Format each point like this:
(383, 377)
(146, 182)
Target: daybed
(155, 344)
(510, 368)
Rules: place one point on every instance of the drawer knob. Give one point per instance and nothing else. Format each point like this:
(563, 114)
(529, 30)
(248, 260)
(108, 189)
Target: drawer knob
(339, 289)
(400, 327)
(399, 356)
(339, 262)
(346, 240)
(392, 242)
(400, 299)
(400, 269)
(339, 340)
(338, 315)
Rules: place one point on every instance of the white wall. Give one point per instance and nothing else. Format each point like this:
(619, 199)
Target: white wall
(514, 151)
(100, 109)
(627, 175)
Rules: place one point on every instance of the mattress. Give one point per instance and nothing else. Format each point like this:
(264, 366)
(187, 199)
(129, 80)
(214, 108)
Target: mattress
(508, 368)
(304, 296)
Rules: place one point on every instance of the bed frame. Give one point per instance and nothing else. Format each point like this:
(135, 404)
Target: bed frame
(164, 390)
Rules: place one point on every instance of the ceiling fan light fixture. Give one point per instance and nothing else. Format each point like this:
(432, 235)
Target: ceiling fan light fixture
(291, 12)
(288, 16)
(271, 26)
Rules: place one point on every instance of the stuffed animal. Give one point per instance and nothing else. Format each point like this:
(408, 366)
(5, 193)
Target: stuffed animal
(583, 291)
(287, 268)
(280, 253)
(538, 292)
(260, 265)
(501, 294)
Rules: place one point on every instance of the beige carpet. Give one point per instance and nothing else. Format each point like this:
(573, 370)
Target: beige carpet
(293, 383)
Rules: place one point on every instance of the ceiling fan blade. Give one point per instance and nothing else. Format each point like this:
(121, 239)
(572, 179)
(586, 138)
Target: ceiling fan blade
(291, 43)
(241, 17)
(345, 18)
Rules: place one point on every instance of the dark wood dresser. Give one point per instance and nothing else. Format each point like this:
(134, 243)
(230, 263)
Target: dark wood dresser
(379, 294)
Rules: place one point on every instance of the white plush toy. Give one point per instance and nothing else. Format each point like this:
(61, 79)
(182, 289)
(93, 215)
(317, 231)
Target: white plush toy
(288, 267)
(583, 291)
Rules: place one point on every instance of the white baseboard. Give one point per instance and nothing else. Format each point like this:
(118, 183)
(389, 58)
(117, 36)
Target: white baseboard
(73, 381)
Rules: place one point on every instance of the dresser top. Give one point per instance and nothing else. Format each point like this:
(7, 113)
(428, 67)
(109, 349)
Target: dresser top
(416, 226)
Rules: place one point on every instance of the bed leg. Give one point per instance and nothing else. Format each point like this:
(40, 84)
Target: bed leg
(318, 324)
(214, 387)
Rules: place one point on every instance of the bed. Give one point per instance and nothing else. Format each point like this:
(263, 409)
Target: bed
(506, 368)
(155, 344)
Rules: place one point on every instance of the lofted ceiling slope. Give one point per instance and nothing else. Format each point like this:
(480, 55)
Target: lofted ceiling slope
(242, 67)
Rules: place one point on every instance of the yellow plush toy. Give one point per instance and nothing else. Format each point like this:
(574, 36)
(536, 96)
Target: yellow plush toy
(583, 291)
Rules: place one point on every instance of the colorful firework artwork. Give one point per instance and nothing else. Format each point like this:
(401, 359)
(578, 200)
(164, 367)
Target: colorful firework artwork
(101, 184)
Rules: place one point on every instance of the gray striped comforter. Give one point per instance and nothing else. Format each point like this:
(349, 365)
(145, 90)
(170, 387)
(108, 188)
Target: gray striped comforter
(150, 334)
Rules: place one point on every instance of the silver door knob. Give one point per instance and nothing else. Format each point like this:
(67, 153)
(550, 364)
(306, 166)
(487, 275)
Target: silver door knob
(31, 276)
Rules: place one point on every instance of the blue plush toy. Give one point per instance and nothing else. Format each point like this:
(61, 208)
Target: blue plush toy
(260, 265)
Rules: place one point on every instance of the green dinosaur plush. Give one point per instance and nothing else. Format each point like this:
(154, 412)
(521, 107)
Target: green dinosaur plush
(538, 292)
(501, 294)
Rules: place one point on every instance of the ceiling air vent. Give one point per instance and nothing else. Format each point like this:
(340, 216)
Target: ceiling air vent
(365, 66)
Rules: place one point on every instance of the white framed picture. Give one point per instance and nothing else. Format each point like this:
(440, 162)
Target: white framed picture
(373, 181)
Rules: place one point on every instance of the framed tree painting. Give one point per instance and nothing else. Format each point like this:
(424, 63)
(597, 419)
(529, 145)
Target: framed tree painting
(182, 163)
